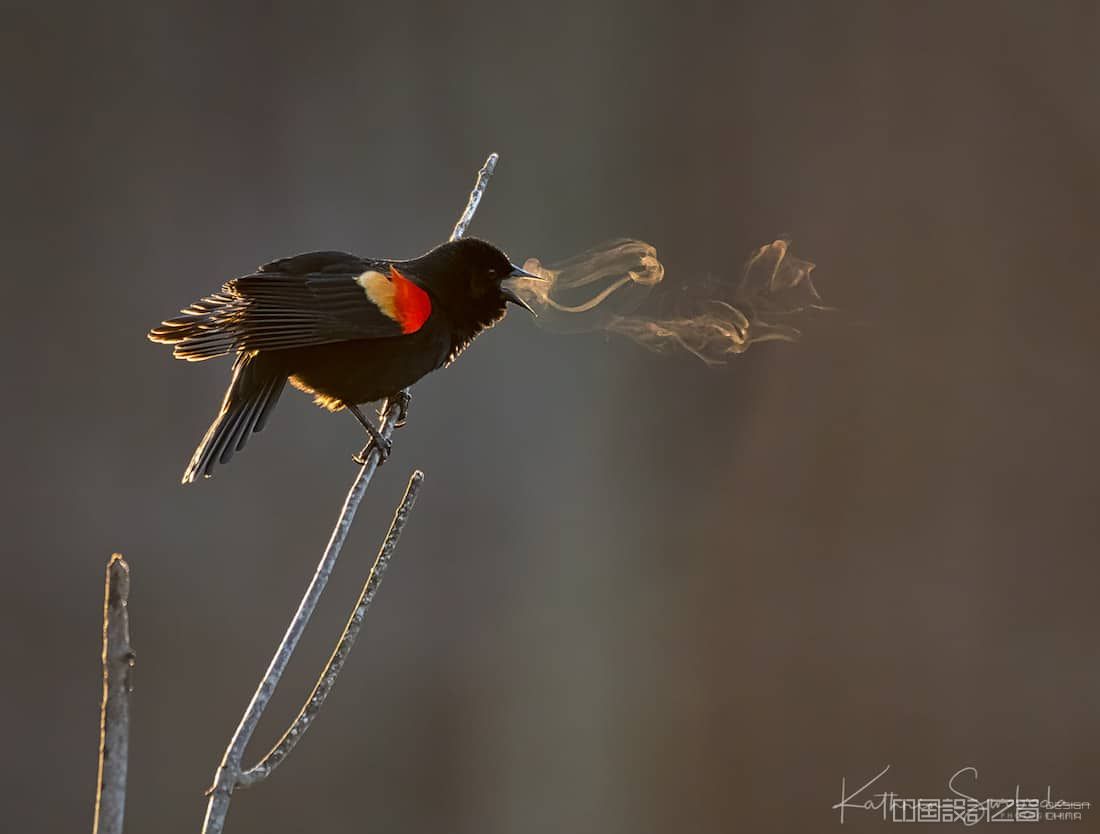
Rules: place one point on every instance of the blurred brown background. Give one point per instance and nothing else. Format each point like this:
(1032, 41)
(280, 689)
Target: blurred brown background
(638, 594)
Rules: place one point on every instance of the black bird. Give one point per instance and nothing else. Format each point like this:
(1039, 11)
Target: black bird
(346, 329)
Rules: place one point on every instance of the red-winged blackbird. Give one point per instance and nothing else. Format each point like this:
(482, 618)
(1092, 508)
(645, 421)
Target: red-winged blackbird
(348, 330)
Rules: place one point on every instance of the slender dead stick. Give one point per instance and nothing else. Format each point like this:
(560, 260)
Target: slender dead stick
(475, 196)
(114, 717)
(230, 771)
(343, 648)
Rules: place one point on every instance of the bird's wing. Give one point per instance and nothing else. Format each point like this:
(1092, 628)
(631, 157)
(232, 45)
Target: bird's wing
(319, 262)
(310, 299)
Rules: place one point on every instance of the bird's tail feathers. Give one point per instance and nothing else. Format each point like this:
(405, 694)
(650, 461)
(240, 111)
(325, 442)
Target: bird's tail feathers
(256, 386)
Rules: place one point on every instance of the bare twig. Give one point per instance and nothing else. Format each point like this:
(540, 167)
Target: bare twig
(114, 717)
(230, 773)
(343, 648)
(475, 196)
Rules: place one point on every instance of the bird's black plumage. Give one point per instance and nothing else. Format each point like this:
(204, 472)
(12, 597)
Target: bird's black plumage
(346, 329)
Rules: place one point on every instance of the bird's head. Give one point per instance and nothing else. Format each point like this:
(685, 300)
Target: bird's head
(467, 278)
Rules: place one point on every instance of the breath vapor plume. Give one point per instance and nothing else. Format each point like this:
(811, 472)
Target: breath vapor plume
(602, 289)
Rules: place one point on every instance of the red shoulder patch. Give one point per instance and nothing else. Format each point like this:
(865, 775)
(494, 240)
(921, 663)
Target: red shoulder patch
(411, 305)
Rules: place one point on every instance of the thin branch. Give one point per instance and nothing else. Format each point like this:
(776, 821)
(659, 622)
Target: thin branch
(343, 648)
(475, 196)
(114, 717)
(230, 773)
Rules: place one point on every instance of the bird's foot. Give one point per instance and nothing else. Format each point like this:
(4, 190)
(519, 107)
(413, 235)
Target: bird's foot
(377, 441)
(400, 401)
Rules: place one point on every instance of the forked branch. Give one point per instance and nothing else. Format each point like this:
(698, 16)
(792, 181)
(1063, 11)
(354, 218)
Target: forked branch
(231, 774)
(335, 664)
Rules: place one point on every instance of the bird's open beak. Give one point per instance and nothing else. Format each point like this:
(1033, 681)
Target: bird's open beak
(511, 295)
(520, 272)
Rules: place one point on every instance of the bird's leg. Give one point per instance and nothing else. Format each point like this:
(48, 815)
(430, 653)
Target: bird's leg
(376, 439)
